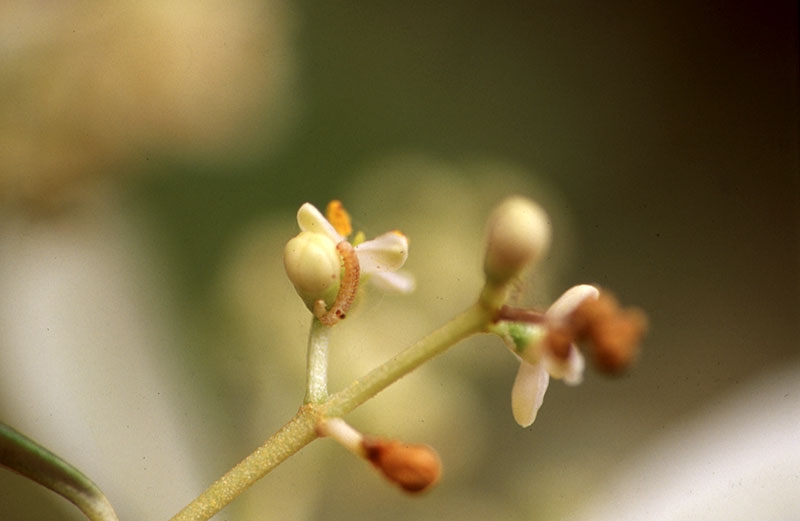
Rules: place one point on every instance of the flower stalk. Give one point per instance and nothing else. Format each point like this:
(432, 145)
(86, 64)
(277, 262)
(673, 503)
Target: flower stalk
(317, 358)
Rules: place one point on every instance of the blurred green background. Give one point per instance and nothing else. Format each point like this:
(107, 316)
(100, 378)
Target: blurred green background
(663, 139)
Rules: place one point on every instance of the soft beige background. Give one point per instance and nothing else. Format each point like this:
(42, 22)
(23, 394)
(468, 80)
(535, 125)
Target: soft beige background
(152, 159)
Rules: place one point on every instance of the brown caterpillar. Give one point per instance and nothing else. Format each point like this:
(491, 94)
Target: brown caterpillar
(348, 287)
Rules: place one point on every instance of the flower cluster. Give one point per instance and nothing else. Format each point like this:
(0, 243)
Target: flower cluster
(547, 343)
(327, 269)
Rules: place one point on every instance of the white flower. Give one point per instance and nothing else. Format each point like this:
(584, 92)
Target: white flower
(537, 364)
(312, 260)
(379, 258)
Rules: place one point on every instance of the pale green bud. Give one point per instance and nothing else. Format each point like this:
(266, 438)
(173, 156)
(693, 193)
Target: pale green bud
(518, 235)
(314, 267)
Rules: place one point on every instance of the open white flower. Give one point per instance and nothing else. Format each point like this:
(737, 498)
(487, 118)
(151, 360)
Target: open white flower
(538, 364)
(380, 258)
(312, 259)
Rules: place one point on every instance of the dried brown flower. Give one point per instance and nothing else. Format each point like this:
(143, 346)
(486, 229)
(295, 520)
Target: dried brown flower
(413, 467)
(612, 332)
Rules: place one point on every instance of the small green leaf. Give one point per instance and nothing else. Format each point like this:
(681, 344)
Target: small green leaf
(26, 457)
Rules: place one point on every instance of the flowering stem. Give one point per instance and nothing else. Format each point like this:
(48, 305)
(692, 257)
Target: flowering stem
(473, 320)
(317, 377)
(292, 437)
(301, 430)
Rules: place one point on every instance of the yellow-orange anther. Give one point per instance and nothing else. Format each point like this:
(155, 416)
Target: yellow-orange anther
(339, 218)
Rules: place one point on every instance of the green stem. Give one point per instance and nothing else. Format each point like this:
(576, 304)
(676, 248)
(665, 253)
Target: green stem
(473, 320)
(292, 437)
(317, 377)
(300, 430)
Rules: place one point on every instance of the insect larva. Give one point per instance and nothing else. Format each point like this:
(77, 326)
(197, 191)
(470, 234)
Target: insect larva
(347, 286)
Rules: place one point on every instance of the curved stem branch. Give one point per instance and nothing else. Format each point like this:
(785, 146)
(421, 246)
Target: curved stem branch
(473, 320)
(301, 429)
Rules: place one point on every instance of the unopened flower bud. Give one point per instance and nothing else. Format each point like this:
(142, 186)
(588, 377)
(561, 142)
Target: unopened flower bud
(314, 267)
(413, 467)
(518, 235)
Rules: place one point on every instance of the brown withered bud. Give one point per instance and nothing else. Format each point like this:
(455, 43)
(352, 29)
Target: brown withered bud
(613, 333)
(414, 468)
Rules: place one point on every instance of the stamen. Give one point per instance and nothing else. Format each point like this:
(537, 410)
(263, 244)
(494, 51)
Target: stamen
(339, 218)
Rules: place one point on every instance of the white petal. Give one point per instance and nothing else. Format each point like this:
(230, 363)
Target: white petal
(393, 281)
(570, 300)
(311, 220)
(387, 252)
(571, 369)
(528, 392)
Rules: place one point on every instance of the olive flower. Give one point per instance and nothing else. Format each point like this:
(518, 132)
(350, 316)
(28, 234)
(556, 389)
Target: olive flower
(546, 343)
(543, 353)
(326, 268)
